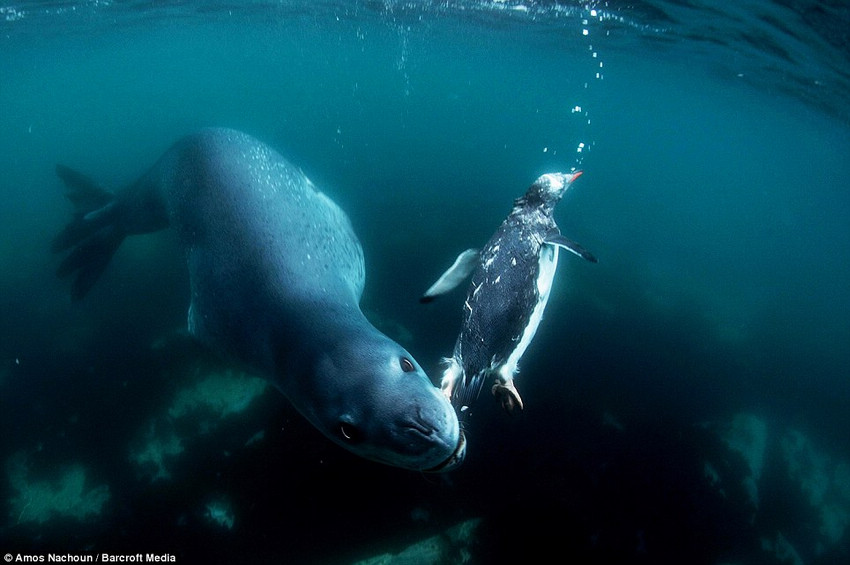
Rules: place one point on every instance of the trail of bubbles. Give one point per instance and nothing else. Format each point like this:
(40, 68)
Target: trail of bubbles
(591, 29)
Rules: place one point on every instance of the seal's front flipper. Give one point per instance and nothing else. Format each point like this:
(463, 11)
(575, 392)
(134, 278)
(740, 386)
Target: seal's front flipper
(556, 238)
(93, 233)
(460, 269)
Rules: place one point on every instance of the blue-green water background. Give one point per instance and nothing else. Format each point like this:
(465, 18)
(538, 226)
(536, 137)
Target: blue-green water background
(715, 195)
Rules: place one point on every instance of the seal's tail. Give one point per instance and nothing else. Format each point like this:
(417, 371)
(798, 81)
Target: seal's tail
(93, 234)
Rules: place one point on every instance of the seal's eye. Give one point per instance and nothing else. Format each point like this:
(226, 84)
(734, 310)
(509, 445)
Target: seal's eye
(406, 365)
(349, 432)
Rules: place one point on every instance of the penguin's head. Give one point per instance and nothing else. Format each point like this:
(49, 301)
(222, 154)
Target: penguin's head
(548, 189)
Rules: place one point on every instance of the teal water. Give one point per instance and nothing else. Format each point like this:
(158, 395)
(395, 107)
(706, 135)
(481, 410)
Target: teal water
(714, 141)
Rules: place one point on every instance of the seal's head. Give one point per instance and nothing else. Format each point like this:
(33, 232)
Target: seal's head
(370, 396)
(548, 189)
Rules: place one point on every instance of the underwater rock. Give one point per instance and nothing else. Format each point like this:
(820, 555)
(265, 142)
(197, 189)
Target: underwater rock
(611, 421)
(155, 450)
(451, 547)
(747, 435)
(782, 549)
(222, 394)
(42, 500)
(713, 477)
(219, 512)
(805, 473)
(256, 438)
(199, 407)
(824, 484)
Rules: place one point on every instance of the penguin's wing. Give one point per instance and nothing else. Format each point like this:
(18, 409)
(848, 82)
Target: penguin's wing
(460, 269)
(555, 238)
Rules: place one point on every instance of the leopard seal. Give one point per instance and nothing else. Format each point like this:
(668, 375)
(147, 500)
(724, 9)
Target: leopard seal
(511, 279)
(276, 274)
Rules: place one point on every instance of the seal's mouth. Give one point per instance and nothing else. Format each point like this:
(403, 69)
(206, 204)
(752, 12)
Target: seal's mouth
(454, 460)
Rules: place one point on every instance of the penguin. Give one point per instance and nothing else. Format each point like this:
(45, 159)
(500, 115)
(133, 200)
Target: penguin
(511, 279)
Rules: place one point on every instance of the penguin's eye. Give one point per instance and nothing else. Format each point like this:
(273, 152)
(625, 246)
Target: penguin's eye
(406, 365)
(349, 432)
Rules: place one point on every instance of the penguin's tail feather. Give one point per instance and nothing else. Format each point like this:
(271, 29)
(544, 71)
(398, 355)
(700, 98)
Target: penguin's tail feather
(93, 235)
(461, 389)
(468, 390)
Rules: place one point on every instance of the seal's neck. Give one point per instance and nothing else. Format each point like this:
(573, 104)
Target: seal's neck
(298, 344)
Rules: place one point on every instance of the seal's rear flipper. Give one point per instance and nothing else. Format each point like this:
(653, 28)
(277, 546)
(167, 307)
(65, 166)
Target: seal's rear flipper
(460, 269)
(93, 233)
(89, 258)
(82, 191)
(570, 245)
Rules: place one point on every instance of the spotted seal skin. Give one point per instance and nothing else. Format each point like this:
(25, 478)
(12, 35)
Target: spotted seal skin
(511, 279)
(276, 277)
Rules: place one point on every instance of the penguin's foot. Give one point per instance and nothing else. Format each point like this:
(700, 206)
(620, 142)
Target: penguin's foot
(447, 387)
(507, 394)
(451, 374)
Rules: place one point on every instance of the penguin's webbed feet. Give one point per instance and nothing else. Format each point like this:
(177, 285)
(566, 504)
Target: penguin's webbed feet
(447, 387)
(507, 394)
(452, 373)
